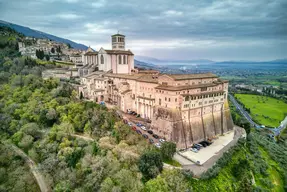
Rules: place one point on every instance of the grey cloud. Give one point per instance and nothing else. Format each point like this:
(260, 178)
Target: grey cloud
(204, 27)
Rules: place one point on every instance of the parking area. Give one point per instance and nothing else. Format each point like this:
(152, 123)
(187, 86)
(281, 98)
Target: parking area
(205, 153)
(142, 127)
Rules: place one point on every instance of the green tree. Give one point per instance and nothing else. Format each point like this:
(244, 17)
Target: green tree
(26, 142)
(157, 185)
(52, 50)
(150, 164)
(81, 95)
(107, 185)
(246, 125)
(167, 150)
(63, 186)
(58, 49)
(47, 57)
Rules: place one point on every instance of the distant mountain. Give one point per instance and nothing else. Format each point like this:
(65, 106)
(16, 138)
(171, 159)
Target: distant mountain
(159, 62)
(152, 60)
(38, 34)
(277, 61)
(147, 59)
(141, 64)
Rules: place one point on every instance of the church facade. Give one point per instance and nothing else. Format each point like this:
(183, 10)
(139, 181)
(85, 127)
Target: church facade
(117, 60)
(184, 108)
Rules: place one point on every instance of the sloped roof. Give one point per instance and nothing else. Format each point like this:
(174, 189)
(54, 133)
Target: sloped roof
(119, 52)
(118, 35)
(91, 53)
(137, 77)
(90, 49)
(178, 77)
(184, 87)
(148, 78)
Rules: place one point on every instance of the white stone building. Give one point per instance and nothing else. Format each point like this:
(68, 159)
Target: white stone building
(118, 60)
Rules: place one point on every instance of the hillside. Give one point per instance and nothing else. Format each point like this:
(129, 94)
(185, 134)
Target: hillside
(38, 34)
(47, 121)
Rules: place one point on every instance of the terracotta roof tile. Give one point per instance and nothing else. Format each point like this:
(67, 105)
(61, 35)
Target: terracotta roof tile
(117, 52)
(92, 53)
(179, 88)
(178, 77)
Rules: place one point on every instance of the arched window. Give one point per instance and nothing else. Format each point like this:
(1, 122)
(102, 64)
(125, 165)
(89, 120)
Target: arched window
(125, 60)
(102, 59)
(120, 59)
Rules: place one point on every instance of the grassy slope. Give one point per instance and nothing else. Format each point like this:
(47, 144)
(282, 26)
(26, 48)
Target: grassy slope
(273, 108)
(225, 181)
(274, 173)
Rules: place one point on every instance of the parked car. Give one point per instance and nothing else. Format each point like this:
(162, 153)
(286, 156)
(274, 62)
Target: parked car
(196, 146)
(134, 128)
(139, 124)
(161, 140)
(150, 132)
(199, 145)
(138, 131)
(130, 124)
(151, 141)
(157, 145)
(143, 128)
(194, 150)
(145, 136)
(202, 143)
(125, 121)
(155, 136)
(207, 142)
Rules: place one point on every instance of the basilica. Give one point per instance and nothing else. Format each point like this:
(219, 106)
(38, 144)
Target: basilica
(184, 108)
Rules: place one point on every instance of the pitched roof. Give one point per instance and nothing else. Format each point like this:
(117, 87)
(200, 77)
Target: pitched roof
(178, 77)
(137, 77)
(184, 87)
(91, 53)
(124, 76)
(117, 52)
(148, 78)
(90, 49)
(118, 35)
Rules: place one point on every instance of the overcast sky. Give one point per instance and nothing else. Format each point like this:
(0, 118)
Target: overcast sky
(165, 29)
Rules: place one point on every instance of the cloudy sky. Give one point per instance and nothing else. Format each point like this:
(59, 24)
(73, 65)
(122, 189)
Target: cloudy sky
(165, 29)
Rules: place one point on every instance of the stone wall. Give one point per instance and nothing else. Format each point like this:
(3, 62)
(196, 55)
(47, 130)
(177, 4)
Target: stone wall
(169, 124)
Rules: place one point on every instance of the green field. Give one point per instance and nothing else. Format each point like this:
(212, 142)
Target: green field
(264, 110)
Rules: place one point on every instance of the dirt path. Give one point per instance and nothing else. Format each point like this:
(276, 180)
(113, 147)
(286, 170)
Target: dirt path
(34, 169)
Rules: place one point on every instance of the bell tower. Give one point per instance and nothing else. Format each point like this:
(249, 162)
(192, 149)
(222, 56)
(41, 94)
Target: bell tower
(118, 42)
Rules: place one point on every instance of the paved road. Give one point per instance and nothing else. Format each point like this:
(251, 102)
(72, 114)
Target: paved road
(242, 111)
(282, 126)
(199, 169)
(34, 169)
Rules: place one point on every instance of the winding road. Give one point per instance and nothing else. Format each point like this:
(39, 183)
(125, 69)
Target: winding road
(34, 169)
(276, 131)
(242, 111)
